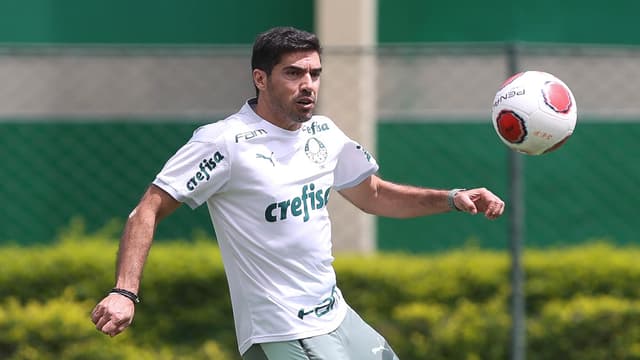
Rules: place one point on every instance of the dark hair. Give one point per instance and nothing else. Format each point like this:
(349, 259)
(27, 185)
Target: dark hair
(272, 44)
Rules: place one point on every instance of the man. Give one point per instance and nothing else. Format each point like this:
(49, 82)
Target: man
(266, 173)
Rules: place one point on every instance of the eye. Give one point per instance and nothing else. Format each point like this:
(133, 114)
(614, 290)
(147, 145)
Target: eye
(292, 72)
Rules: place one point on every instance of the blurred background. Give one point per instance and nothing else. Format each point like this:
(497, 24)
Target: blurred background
(96, 95)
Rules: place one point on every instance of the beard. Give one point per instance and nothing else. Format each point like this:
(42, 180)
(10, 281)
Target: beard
(289, 110)
(302, 118)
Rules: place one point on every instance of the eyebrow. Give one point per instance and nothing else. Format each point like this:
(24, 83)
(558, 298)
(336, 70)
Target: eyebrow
(318, 69)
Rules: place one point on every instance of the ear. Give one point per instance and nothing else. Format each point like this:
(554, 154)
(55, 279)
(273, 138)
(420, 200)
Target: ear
(260, 79)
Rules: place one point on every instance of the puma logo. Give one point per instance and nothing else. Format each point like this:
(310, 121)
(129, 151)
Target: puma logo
(270, 158)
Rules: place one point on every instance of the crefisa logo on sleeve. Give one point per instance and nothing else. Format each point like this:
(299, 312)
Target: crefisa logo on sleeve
(206, 166)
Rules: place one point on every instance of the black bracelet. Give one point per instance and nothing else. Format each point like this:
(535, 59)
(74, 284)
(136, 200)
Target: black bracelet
(126, 293)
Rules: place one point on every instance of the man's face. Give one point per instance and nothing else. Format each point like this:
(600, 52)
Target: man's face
(291, 91)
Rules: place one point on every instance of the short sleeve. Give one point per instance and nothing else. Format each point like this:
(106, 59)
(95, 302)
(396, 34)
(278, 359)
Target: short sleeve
(195, 172)
(355, 164)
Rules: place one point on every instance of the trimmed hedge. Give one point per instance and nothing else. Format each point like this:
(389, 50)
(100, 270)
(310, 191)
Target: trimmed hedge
(582, 302)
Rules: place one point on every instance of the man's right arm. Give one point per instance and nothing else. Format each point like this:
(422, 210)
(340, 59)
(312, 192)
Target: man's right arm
(115, 312)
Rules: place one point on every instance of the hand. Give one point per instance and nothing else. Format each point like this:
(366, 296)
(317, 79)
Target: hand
(113, 314)
(479, 200)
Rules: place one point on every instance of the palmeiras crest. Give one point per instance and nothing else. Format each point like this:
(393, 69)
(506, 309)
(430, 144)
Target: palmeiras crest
(315, 150)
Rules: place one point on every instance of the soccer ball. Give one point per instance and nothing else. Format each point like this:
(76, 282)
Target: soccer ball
(534, 112)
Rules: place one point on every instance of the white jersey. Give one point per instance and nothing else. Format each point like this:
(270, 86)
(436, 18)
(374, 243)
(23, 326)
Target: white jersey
(267, 191)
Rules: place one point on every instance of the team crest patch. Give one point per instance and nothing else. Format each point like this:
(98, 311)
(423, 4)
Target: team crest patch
(315, 150)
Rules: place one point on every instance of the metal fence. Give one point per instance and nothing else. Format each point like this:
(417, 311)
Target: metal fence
(84, 130)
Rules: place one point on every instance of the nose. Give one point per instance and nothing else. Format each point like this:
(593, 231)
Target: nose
(307, 83)
(306, 80)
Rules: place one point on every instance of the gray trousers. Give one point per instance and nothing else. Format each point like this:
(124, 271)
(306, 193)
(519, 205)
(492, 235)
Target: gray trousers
(353, 340)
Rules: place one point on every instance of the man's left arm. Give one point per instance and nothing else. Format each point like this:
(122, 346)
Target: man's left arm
(384, 198)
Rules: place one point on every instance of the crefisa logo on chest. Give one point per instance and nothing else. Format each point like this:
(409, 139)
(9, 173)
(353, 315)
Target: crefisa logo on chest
(314, 127)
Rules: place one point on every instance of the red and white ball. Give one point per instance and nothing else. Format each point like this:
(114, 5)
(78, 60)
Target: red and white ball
(534, 112)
